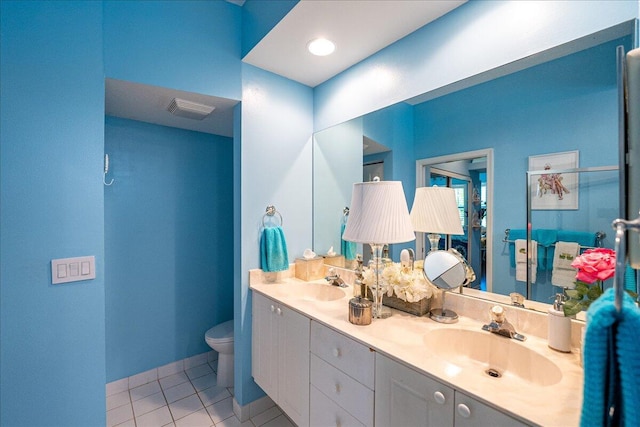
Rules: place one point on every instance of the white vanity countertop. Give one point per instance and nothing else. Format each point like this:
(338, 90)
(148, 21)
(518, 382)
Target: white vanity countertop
(401, 337)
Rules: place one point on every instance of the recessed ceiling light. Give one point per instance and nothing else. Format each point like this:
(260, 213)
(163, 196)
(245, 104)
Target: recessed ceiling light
(321, 47)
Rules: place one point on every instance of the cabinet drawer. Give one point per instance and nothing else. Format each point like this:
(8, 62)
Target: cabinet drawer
(352, 396)
(343, 353)
(324, 412)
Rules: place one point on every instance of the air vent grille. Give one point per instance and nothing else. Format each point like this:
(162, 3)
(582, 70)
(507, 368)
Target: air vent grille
(190, 110)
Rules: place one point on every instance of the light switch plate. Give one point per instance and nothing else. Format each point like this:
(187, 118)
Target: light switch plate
(66, 270)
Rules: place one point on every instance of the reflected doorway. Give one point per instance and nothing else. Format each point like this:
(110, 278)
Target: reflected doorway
(467, 175)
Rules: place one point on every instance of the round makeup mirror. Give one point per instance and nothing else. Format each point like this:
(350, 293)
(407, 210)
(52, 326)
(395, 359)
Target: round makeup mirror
(446, 270)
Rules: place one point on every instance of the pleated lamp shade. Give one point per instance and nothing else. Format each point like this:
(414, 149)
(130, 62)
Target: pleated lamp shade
(435, 211)
(378, 214)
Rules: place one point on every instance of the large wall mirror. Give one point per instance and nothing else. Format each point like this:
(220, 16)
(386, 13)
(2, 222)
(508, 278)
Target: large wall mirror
(563, 100)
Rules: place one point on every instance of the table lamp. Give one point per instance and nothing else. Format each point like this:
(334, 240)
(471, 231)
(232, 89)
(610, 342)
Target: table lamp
(378, 215)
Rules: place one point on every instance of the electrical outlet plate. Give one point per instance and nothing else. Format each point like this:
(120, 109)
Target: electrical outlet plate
(66, 270)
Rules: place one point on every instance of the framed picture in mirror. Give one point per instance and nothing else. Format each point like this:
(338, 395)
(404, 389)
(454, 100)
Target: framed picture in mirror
(551, 187)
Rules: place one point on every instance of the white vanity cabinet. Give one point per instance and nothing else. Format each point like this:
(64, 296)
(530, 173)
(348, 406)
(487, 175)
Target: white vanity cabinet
(405, 397)
(342, 379)
(280, 356)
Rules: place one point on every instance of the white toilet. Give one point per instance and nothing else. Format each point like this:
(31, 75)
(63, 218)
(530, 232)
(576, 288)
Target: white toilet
(220, 338)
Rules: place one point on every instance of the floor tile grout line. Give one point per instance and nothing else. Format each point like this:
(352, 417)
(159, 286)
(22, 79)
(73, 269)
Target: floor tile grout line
(197, 392)
(200, 398)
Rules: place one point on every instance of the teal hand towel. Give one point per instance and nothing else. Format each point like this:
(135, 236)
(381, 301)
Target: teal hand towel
(603, 323)
(582, 238)
(546, 239)
(348, 249)
(273, 250)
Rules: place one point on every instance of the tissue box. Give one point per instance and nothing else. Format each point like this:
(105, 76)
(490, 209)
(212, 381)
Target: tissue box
(309, 269)
(336, 261)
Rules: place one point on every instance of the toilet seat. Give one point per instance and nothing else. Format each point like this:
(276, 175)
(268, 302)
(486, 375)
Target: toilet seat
(221, 333)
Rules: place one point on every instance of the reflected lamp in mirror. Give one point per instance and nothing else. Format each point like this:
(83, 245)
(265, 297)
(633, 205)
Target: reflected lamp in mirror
(435, 212)
(378, 215)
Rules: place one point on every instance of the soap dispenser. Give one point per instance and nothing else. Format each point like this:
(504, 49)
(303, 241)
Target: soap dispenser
(559, 336)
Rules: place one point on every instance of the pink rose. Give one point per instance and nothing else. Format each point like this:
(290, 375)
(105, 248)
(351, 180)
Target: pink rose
(595, 264)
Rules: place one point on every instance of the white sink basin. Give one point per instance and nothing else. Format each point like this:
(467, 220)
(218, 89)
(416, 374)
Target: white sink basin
(309, 291)
(492, 355)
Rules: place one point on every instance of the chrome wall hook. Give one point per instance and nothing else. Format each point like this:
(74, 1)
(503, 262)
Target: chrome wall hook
(106, 171)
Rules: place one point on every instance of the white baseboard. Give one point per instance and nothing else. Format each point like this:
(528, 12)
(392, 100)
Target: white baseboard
(160, 372)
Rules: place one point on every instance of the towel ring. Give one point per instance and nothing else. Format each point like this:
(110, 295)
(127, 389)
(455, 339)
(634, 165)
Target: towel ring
(621, 226)
(271, 211)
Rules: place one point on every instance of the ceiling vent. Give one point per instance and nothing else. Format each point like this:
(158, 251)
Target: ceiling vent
(190, 110)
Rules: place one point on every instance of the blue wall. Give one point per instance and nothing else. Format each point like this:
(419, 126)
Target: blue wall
(187, 45)
(276, 126)
(52, 130)
(569, 103)
(259, 17)
(393, 127)
(168, 243)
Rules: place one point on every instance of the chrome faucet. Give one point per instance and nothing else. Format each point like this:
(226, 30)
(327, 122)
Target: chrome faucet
(501, 326)
(334, 279)
(517, 299)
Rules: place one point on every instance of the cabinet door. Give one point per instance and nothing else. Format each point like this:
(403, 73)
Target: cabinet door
(405, 397)
(264, 344)
(293, 368)
(472, 413)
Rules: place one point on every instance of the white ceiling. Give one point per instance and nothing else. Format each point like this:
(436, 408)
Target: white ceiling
(149, 104)
(359, 28)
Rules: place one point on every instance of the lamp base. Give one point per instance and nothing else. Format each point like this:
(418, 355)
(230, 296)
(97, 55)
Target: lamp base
(442, 315)
(434, 241)
(383, 312)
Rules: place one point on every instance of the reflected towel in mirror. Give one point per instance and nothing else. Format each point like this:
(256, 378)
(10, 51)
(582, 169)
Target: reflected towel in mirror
(348, 249)
(563, 274)
(515, 234)
(521, 260)
(582, 238)
(273, 250)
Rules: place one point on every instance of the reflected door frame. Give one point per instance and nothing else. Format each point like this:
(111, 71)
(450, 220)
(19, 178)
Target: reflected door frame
(423, 174)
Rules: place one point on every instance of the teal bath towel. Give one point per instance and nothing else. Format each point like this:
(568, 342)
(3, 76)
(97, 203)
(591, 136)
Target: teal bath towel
(348, 249)
(273, 250)
(611, 363)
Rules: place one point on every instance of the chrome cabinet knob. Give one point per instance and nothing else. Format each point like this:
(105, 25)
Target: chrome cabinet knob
(464, 411)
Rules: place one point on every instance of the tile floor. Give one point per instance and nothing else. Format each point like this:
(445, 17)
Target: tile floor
(188, 398)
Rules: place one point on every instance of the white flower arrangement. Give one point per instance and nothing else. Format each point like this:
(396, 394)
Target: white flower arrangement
(403, 282)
